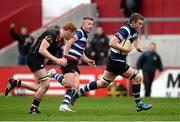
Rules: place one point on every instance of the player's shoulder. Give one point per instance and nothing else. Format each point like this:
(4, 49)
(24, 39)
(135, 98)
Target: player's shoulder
(50, 35)
(125, 28)
(52, 32)
(81, 33)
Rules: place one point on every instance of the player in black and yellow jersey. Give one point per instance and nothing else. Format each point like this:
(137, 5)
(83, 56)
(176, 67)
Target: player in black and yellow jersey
(43, 50)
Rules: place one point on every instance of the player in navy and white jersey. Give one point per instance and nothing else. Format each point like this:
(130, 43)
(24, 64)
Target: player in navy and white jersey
(74, 52)
(117, 61)
(126, 32)
(43, 50)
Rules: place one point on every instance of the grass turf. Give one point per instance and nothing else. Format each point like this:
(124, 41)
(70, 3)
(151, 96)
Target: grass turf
(90, 109)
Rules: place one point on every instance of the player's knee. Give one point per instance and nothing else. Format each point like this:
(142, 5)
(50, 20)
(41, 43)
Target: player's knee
(68, 82)
(105, 84)
(44, 81)
(137, 79)
(67, 85)
(46, 84)
(75, 86)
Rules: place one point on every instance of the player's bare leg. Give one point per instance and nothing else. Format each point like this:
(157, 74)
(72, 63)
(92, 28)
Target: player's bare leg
(18, 83)
(43, 79)
(71, 81)
(108, 77)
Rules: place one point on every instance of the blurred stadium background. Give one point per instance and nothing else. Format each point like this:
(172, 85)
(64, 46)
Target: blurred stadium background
(162, 26)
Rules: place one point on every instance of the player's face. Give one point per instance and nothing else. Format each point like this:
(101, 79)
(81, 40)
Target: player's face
(67, 34)
(138, 24)
(88, 25)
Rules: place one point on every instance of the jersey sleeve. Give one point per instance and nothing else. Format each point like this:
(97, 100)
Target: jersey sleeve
(50, 36)
(122, 34)
(78, 35)
(138, 35)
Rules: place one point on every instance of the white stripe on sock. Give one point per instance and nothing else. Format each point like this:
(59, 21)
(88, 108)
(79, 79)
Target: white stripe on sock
(83, 89)
(88, 87)
(66, 101)
(56, 75)
(136, 93)
(67, 96)
(137, 98)
(9, 86)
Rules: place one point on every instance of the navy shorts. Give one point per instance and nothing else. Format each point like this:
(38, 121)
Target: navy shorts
(117, 67)
(71, 67)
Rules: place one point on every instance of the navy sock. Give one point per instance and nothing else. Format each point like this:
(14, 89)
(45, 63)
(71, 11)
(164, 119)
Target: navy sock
(136, 92)
(67, 97)
(58, 77)
(91, 86)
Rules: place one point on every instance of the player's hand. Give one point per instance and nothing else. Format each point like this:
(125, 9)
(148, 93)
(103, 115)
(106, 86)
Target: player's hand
(64, 62)
(91, 63)
(127, 50)
(61, 61)
(12, 25)
(80, 62)
(140, 49)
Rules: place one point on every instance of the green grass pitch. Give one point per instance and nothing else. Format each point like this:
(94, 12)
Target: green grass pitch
(90, 109)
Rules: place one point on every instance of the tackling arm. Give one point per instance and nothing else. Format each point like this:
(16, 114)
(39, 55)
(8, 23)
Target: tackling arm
(43, 50)
(67, 46)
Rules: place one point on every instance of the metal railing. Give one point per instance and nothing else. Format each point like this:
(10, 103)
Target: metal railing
(146, 21)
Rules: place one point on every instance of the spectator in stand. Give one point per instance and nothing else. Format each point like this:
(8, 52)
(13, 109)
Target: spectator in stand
(130, 6)
(150, 64)
(24, 43)
(99, 47)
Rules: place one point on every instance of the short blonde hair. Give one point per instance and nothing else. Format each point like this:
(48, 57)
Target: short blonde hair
(88, 18)
(135, 17)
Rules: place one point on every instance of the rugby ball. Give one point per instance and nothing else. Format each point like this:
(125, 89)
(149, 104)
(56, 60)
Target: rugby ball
(127, 44)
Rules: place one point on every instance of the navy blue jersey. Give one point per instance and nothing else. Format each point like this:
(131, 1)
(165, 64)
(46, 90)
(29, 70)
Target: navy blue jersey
(126, 32)
(78, 47)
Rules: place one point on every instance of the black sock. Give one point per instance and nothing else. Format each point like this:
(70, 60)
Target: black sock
(17, 83)
(35, 103)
